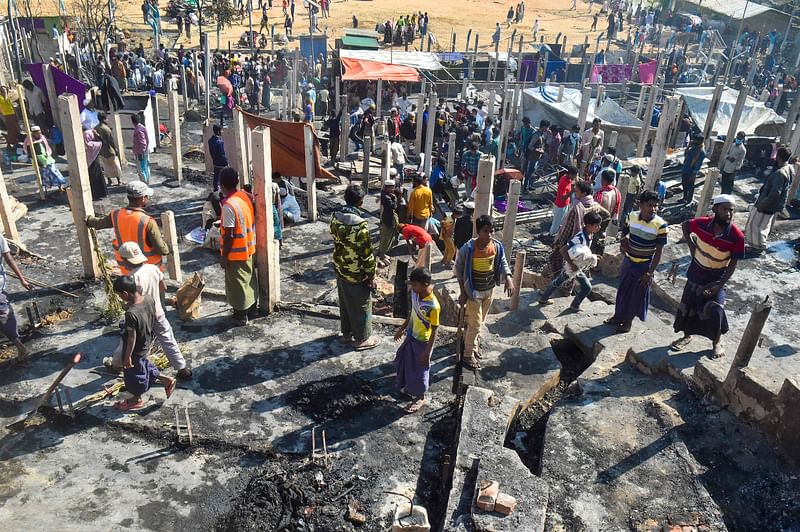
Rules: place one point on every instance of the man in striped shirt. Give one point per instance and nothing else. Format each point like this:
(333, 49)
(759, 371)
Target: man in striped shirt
(715, 245)
(644, 234)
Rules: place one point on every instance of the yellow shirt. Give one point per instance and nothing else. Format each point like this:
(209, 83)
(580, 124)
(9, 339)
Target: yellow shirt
(420, 202)
(424, 316)
(6, 107)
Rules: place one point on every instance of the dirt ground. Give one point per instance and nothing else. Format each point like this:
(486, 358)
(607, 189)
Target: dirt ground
(457, 16)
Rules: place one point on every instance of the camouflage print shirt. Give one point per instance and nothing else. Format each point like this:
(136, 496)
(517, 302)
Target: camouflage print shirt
(352, 249)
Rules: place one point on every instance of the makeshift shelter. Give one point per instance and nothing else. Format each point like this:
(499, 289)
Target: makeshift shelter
(363, 69)
(541, 103)
(756, 119)
(415, 60)
(287, 143)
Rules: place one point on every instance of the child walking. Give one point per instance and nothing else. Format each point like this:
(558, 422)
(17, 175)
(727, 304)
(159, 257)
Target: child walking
(138, 372)
(413, 360)
(448, 229)
(578, 257)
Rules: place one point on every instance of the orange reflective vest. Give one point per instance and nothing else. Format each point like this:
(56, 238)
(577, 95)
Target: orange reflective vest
(131, 226)
(244, 232)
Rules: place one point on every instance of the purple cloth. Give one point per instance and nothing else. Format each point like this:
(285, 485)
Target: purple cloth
(502, 206)
(63, 83)
(411, 376)
(140, 140)
(141, 376)
(632, 299)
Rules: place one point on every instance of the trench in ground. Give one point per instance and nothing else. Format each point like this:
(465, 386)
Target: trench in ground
(526, 434)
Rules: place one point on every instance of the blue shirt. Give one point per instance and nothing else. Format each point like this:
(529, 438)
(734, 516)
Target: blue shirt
(216, 147)
(661, 190)
(436, 174)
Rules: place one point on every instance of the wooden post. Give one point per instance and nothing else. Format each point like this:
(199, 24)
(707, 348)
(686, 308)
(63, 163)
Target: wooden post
(267, 250)
(7, 214)
(519, 57)
(428, 163)
(561, 92)
(510, 222)
(428, 252)
(612, 139)
(483, 188)
(586, 97)
(711, 115)
(365, 166)
(79, 191)
(156, 118)
(741, 100)
(666, 124)
(378, 100)
(207, 68)
(451, 154)
(505, 111)
(792, 118)
(24, 112)
(601, 91)
(387, 161)
(464, 81)
(490, 104)
(519, 269)
(116, 128)
(240, 160)
(208, 132)
(184, 91)
(640, 103)
(420, 111)
(338, 93)
(311, 172)
(750, 339)
(648, 114)
(175, 127)
(51, 92)
(712, 176)
(344, 133)
(171, 238)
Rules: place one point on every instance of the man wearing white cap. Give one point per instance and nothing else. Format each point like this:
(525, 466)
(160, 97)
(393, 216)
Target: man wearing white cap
(715, 245)
(150, 281)
(132, 224)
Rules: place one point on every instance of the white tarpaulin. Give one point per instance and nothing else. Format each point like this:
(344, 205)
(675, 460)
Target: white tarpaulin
(756, 117)
(418, 60)
(541, 103)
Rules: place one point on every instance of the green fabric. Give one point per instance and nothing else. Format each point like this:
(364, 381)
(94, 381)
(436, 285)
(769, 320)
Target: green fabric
(388, 238)
(241, 284)
(353, 259)
(355, 309)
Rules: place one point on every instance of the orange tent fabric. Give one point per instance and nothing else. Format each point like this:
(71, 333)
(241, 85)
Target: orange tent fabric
(288, 148)
(362, 69)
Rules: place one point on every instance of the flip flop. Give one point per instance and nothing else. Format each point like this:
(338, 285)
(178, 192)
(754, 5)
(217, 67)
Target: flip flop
(169, 388)
(126, 405)
(680, 343)
(416, 406)
(369, 343)
(717, 352)
(622, 329)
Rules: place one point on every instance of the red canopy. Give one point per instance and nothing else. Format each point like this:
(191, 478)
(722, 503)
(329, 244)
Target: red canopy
(362, 69)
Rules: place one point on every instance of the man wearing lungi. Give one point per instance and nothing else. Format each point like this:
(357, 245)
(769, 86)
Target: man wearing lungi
(644, 234)
(715, 245)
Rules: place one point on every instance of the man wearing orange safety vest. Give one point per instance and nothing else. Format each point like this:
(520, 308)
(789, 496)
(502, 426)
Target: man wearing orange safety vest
(238, 247)
(132, 224)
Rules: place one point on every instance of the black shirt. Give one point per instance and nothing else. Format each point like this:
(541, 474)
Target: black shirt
(389, 204)
(140, 318)
(462, 231)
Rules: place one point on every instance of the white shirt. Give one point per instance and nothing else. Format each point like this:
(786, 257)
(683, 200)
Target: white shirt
(402, 105)
(398, 153)
(89, 118)
(228, 216)
(35, 99)
(148, 279)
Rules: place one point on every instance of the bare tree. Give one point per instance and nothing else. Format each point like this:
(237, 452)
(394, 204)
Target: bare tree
(94, 24)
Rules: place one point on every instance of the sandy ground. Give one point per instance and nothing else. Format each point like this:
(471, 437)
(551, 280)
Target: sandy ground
(446, 17)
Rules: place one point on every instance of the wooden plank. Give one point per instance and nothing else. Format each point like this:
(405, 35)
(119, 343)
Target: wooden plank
(311, 172)
(7, 213)
(171, 238)
(24, 112)
(175, 127)
(267, 250)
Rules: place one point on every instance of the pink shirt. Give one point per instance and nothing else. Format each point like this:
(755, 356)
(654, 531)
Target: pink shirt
(140, 140)
(93, 146)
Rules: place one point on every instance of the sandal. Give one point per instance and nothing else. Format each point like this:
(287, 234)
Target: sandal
(472, 364)
(126, 405)
(717, 352)
(622, 329)
(416, 406)
(369, 343)
(680, 343)
(169, 388)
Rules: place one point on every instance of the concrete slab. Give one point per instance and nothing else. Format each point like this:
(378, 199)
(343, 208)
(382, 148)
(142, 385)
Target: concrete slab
(526, 372)
(485, 418)
(504, 466)
(615, 462)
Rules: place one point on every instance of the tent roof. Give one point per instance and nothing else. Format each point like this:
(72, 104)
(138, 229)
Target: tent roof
(363, 69)
(369, 43)
(734, 9)
(417, 60)
(754, 115)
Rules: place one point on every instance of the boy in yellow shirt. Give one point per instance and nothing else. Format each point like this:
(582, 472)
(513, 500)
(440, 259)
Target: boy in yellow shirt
(448, 227)
(413, 359)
